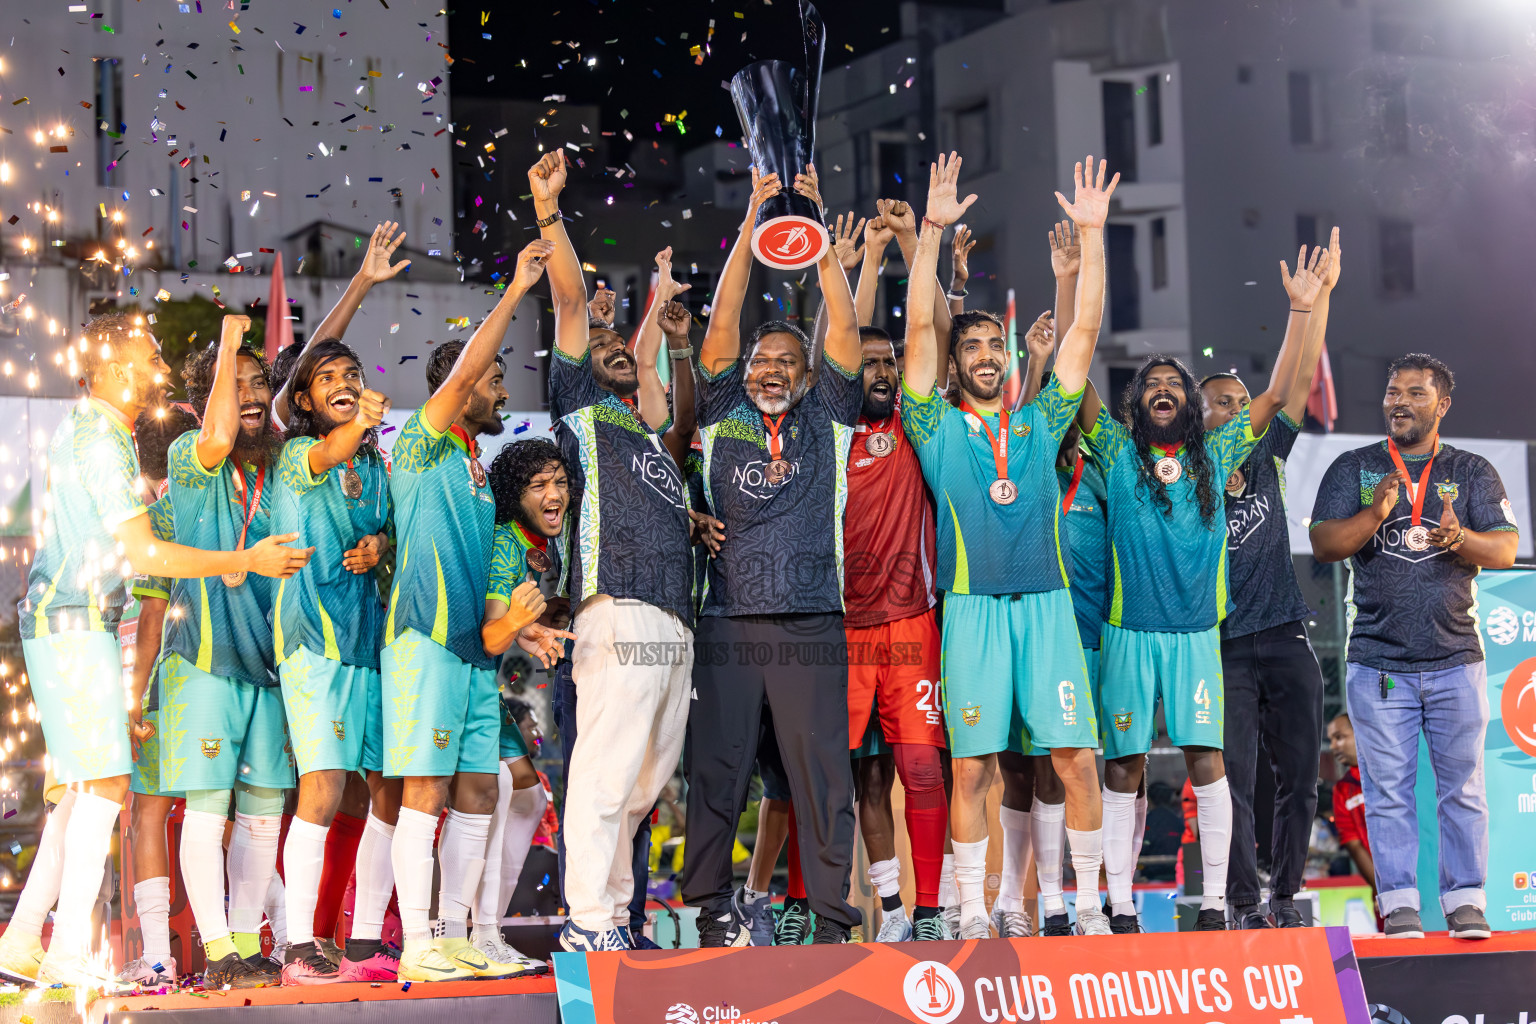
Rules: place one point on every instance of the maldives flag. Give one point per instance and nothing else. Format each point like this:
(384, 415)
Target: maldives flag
(1322, 404)
(279, 327)
(1018, 361)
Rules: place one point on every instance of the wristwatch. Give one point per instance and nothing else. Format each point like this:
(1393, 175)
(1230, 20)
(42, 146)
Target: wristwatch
(547, 221)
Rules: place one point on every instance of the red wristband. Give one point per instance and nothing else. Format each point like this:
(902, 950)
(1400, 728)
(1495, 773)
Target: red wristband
(935, 223)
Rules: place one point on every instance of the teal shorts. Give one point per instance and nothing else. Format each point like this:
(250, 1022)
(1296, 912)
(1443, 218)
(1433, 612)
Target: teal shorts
(1184, 669)
(1091, 659)
(215, 731)
(77, 685)
(373, 731)
(327, 706)
(440, 713)
(1008, 682)
(512, 745)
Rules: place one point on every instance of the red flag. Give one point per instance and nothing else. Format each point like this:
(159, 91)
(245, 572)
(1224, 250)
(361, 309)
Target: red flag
(279, 327)
(1322, 404)
(1017, 360)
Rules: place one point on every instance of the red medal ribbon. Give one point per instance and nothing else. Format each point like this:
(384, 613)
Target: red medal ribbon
(999, 443)
(1077, 478)
(249, 510)
(541, 542)
(349, 461)
(1168, 449)
(1418, 491)
(469, 442)
(775, 443)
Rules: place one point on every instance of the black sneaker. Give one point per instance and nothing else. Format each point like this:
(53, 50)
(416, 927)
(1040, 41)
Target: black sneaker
(1056, 924)
(1124, 924)
(794, 924)
(1404, 923)
(237, 973)
(1283, 910)
(728, 929)
(1468, 922)
(829, 932)
(1211, 920)
(1250, 918)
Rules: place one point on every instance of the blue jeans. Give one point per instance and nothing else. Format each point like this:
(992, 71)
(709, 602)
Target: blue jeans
(564, 707)
(1450, 706)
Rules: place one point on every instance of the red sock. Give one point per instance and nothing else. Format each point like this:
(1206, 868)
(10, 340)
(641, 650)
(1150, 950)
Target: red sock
(340, 858)
(927, 812)
(796, 883)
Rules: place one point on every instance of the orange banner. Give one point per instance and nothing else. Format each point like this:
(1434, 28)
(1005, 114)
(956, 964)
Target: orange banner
(1300, 976)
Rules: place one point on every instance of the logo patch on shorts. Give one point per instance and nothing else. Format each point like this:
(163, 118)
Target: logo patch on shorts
(971, 715)
(440, 738)
(211, 748)
(1123, 722)
(339, 728)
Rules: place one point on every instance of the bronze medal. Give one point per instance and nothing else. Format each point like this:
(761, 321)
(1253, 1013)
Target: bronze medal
(1417, 538)
(1167, 469)
(1236, 483)
(1003, 492)
(352, 483)
(234, 579)
(538, 561)
(476, 472)
(778, 471)
(880, 445)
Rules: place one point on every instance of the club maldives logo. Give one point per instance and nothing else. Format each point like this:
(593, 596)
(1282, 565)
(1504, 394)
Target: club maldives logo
(681, 1013)
(790, 242)
(1503, 625)
(1518, 706)
(933, 992)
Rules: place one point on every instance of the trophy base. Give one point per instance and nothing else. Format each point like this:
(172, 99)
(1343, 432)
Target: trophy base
(790, 242)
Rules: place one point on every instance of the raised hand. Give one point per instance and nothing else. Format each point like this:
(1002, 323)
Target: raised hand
(232, 331)
(602, 305)
(381, 249)
(1041, 338)
(364, 556)
(1449, 530)
(271, 556)
(877, 234)
(1066, 250)
(845, 244)
(944, 205)
(667, 287)
(960, 251)
(764, 188)
(809, 185)
(675, 321)
(1331, 274)
(543, 642)
(372, 407)
(1306, 284)
(526, 603)
(1089, 207)
(1386, 494)
(547, 177)
(897, 215)
(531, 262)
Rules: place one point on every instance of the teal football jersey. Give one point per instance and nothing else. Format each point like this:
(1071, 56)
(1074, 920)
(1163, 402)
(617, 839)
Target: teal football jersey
(445, 515)
(1086, 531)
(223, 630)
(326, 607)
(1169, 572)
(162, 524)
(984, 547)
(509, 559)
(77, 577)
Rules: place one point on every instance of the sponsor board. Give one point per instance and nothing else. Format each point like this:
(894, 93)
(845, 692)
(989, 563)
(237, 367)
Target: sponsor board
(1291, 976)
(1492, 988)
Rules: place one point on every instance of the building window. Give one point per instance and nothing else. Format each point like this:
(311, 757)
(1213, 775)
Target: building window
(1120, 128)
(1159, 253)
(1306, 230)
(1305, 95)
(1396, 238)
(109, 117)
(973, 136)
(1154, 110)
(1244, 74)
(1389, 110)
(1124, 285)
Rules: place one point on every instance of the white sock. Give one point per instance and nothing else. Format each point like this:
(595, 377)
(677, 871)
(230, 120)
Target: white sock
(375, 880)
(970, 878)
(1140, 833)
(42, 889)
(1049, 833)
(202, 872)
(87, 841)
(1087, 855)
(750, 895)
(489, 900)
(523, 816)
(303, 862)
(275, 907)
(1214, 813)
(948, 896)
(411, 857)
(1120, 850)
(462, 856)
(152, 898)
(885, 876)
(1016, 829)
(252, 863)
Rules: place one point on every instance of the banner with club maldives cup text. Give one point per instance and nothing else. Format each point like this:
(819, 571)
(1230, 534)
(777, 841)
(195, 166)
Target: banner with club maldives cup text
(1290, 976)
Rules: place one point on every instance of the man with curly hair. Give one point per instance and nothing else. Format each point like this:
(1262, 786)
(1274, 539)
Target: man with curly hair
(1168, 592)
